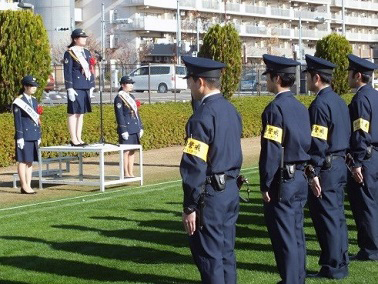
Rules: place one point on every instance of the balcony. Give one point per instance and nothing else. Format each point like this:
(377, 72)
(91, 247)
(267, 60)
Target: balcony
(188, 3)
(213, 5)
(361, 37)
(150, 24)
(255, 9)
(308, 15)
(319, 2)
(360, 5)
(234, 7)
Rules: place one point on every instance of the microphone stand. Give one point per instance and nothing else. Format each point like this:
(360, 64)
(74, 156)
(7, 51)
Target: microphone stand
(102, 81)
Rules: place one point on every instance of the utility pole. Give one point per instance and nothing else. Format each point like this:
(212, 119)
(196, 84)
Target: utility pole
(225, 11)
(103, 31)
(197, 26)
(300, 37)
(178, 36)
(343, 16)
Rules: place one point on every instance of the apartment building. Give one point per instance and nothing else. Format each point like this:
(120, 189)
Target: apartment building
(279, 27)
(8, 5)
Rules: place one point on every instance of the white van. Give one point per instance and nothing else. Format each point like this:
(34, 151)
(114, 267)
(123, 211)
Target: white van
(162, 78)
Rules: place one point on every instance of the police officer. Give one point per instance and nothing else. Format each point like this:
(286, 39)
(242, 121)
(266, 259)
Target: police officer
(330, 124)
(27, 132)
(209, 167)
(363, 183)
(285, 140)
(79, 82)
(129, 124)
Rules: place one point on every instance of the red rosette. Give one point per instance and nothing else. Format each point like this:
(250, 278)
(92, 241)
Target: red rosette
(138, 103)
(40, 109)
(92, 63)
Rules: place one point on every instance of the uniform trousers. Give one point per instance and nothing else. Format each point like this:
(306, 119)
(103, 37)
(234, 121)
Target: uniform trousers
(327, 214)
(213, 247)
(284, 220)
(364, 204)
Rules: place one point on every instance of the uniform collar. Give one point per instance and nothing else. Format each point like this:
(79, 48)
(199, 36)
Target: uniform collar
(284, 94)
(325, 89)
(360, 87)
(209, 95)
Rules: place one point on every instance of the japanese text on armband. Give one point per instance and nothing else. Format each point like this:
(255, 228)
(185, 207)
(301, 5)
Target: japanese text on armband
(196, 148)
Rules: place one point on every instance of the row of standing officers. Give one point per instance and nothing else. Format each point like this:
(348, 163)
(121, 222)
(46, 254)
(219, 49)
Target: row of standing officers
(305, 157)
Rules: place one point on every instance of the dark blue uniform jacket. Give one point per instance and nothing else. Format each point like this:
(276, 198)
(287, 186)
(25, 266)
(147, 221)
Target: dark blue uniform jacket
(218, 125)
(286, 123)
(74, 76)
(25, 127)
(363, 111)
(127, 120)
(330, 125)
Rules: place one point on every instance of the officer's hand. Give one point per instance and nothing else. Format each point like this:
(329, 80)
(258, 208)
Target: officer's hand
(20, 143)
(141, 133)
(71, 94)
(357, 174)
(91, 92)
(39, 142)
(315, 186)
(125, 135)
(265, 196)
(189, 222)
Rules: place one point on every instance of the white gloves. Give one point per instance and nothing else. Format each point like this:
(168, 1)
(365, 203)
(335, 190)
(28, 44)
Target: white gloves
(39, 142)
(141, 133)
(91, 92)
(71, 94)
(125, 135)
(20, 143)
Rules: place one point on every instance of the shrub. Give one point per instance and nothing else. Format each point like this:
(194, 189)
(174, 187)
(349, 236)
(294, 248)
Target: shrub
(222, 43)
(24, 50)
(164, 124)
(335, 48)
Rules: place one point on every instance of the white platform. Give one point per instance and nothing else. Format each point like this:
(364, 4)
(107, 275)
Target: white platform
(101, 149)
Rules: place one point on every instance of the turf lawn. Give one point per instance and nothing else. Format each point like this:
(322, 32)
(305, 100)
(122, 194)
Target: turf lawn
(134, 235)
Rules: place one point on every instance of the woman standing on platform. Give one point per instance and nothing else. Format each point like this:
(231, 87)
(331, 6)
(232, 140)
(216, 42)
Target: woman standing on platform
(79, 82)
(27, 132)
(129, 124)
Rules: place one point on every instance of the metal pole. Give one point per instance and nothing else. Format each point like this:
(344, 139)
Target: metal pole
(102, 55)
(197, 25)
(300, 37)
(149, 83)
(178, 36)
(343, 16)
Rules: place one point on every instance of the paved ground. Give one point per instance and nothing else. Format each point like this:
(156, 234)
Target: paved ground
(159, 165)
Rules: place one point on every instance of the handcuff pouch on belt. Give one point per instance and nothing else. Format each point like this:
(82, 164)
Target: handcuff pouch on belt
(218, 181)
(369, 152)
(289, 171)
(327, 162)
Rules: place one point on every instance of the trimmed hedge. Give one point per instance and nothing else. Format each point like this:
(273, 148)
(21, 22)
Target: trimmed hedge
(164, 124)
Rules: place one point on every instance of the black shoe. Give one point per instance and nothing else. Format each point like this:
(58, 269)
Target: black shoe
(358, 257)
(83, 144)
(23, 191)
(75, 145)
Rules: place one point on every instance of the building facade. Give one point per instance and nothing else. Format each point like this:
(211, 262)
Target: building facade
(281, 27)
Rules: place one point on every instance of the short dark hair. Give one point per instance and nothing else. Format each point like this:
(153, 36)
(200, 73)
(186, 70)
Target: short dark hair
(325, 78)
(214, 83)
(364, 77)
(287, 80)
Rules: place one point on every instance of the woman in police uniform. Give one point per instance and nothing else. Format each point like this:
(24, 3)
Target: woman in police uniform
(79, 82)
(129, 124)
(27, 132)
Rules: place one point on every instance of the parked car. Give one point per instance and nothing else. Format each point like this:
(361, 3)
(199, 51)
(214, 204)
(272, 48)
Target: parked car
(163, 78)
(248, 82)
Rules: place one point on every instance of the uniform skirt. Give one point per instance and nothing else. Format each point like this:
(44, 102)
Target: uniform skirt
(29, 153)
(133, 139)
(82, 103)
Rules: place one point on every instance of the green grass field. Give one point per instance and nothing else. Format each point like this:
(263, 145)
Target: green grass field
(134, 235)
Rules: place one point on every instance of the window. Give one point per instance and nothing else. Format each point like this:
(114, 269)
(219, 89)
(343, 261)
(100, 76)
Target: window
(180, 70)
(140, 71)
(158, 70)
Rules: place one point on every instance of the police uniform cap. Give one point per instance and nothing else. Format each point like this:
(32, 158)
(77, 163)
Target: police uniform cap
(29, 80)
(202, 67)
(126, 80)
(78, 33)
(279, 64)
(361, 65)
(319, 64)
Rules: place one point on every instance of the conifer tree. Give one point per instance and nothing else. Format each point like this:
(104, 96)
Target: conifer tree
(24, 50)
(335, 48)
(222, 43)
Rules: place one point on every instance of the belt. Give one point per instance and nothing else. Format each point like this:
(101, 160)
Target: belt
(208, 178)
(298, 166)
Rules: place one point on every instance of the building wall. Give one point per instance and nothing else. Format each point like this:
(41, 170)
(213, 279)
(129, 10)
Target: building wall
(265, 26)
